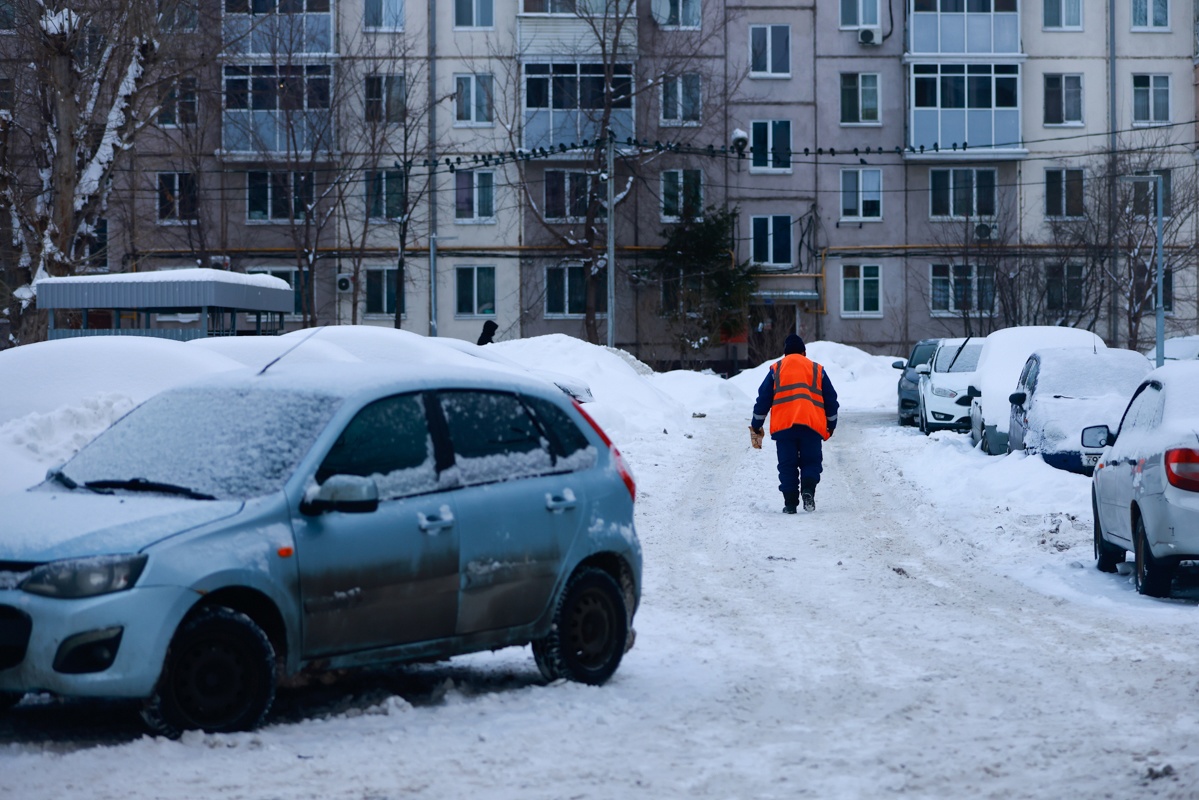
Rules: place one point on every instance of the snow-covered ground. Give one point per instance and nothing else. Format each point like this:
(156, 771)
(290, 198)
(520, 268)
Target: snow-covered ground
(935, 629)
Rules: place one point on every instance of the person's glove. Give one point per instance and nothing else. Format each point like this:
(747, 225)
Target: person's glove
(755, 437)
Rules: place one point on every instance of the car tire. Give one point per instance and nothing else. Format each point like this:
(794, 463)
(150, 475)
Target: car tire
(589, 633)
(1107, 555)
(219, 676)
(1152, 575)
(9, 699)
(923, 424)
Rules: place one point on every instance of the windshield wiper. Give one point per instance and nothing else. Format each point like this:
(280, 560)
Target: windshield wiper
(958, 353)
(144, 485)
(61, 477)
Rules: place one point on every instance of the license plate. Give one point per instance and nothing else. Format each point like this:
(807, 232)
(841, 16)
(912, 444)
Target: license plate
(1089, 460)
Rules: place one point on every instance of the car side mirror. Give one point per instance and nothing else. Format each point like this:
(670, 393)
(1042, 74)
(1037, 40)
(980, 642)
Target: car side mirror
(972, 391)
(924, 369)
(1097, 436)
(1017, 398)
(350, 494)
(898, 364)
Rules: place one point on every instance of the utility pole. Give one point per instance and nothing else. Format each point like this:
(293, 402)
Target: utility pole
(611, 255)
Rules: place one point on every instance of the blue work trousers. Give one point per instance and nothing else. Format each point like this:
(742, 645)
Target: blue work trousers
(799, 453)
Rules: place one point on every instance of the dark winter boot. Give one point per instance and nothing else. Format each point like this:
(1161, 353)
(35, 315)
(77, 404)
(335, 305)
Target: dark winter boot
(808, 489)
(790, 502)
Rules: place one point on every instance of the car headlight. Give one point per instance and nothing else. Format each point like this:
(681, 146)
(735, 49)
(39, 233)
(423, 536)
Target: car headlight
(85, 577)
(940, 392)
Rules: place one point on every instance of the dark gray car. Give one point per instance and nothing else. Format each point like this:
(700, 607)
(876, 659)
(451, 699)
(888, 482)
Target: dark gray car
(909, 380)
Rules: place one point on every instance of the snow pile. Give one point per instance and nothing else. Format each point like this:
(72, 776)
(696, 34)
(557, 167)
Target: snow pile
(863, 382)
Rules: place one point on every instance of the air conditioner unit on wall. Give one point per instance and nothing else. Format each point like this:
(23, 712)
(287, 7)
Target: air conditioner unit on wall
(870, 36)
(344, 283)
(983, 232)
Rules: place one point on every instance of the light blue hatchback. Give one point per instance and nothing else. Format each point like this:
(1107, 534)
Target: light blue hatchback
(231, 532)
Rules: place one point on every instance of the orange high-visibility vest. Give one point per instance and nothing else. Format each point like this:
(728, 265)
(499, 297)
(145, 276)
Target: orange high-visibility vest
(798, 395)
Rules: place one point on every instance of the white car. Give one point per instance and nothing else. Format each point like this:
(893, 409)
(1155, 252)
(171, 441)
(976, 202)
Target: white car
(1002, 358)
(943, 403)
(1145, 490)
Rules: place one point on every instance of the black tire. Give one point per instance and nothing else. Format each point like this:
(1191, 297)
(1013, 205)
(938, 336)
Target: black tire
(219, 676)
(589, 632)
(9, 699)
(1107, 555)
(1153, 576)
(923, 422)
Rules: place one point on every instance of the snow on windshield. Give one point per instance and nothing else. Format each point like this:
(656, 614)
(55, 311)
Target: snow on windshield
(228, 443)
(957, 358)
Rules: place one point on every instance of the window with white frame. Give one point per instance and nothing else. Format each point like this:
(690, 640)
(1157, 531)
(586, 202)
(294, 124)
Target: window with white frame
(861, 294)
(958, 288)
(568, 195)
(973, 86)
(682, 195)
(475, 291)
(571, 86)
(1063, 193)
(1167, 291)
(385, 98)
(279, 196)
(1144, 203)
(770, 143)
(1151, 14)
(179, 106)
(474, 195)
(958, 6)
(551, 6)
(178, 197)
(1063, 287)
(859, 98)
(566, 291)
(859, 13)
(474, 13)
(681, 99)
(473, 99)
(383, 15)
(769, 51)
(955, 193)
(277, 87)
(1062, 15)
(1150, 99)
(295, 278)
(676, 13)
(386, 194)
(384, 289)
(861, 193)
(771, 239)
(1063, 99)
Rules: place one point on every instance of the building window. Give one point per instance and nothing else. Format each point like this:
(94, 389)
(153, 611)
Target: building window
(8, 16)
(1144, 204)
(955, 193)
(975, 86)
(1063, 14)
(568, 195)
(770, 51)
(176, 16)
(681, 99)
(771, 239)
(97, 246)
(475, 291)
(474, 196)
(550, 6)
(861, 193)
(474, 14)
(677, 13)
(682, 195)
(859, 13)
(384, 288)
(1063, 99)
(960, 288)
(385, 194)
(860, 291)
(282, 6)
(770, 145)
(383, 14)
(385, 98)
(571, 86)
(1151, 14)
(1063, 193)
(473, 99)
(1150, 99)
(277, 88)
(859, 98)
(1063, 287)
(177, 197)
(1167, 290)
(566, 291)
(279, 196)
(8, 95)
(295, 278)
(958, 6)
(180, 105)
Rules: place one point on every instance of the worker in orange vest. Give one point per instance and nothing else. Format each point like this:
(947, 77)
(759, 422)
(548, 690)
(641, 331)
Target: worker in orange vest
(802, 405)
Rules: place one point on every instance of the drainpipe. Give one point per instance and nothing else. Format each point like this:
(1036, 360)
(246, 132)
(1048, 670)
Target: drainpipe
(1113, 141)
(432, 101)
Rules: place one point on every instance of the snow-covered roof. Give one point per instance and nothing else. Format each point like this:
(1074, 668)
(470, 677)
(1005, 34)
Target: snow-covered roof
(168, 289)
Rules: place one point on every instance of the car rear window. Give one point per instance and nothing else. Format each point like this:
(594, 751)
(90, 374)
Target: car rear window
(567, 442)
(493, 436)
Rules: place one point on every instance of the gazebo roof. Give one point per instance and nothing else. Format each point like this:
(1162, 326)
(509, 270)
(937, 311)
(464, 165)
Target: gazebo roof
(168, 290)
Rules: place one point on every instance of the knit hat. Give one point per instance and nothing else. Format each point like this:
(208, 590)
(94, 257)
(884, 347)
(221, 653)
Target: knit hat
(793, 345)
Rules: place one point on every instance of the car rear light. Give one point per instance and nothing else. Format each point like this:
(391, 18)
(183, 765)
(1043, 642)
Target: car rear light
(622, 466)
(1182, 468)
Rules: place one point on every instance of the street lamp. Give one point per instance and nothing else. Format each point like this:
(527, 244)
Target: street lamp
(1160, 317)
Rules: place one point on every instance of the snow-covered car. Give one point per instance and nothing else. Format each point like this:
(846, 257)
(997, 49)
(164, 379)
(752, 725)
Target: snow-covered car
(1180, 348)
(1145, 490)
(908, 387)
(1002, 358)
(1062, 389)
(257, 523)
(943, 402)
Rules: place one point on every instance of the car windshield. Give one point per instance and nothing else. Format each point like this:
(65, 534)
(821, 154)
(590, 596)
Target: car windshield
(922, 354)
(224, 443)
(958, 358)
(1090, 376)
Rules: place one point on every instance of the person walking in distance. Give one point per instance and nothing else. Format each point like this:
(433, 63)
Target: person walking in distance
(802, 405)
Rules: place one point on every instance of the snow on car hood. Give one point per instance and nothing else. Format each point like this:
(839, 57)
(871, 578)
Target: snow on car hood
(42, 525)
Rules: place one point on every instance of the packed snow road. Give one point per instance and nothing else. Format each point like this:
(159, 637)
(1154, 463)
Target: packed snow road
(906, 638)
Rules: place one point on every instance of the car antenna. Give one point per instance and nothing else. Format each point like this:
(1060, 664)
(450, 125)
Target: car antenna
(277, 358)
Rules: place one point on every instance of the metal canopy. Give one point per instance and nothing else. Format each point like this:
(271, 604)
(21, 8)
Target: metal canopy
(168, 291)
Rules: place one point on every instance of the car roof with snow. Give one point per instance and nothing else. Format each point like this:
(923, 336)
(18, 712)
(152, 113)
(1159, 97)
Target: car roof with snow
(1082, 372)
(1180, 379)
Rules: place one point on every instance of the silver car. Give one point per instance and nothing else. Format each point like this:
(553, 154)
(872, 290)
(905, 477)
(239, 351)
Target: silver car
(1145, 489)
(237, 530)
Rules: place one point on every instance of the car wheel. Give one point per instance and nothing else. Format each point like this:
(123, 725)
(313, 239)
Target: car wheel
(219, 676)
(9, 699)
(1153, 575)
(923, 424)
(589, 632)
(1107, 555)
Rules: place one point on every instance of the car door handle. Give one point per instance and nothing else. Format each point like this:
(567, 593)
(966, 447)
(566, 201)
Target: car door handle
(431, 525)
(561, 502)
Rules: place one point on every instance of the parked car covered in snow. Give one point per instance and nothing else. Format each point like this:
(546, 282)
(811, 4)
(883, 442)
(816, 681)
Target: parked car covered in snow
(1062, 389)
(1145, 490)
(259, 522)
(908, 389)
(1180, 348)
(944, 403)
(1002, 358)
